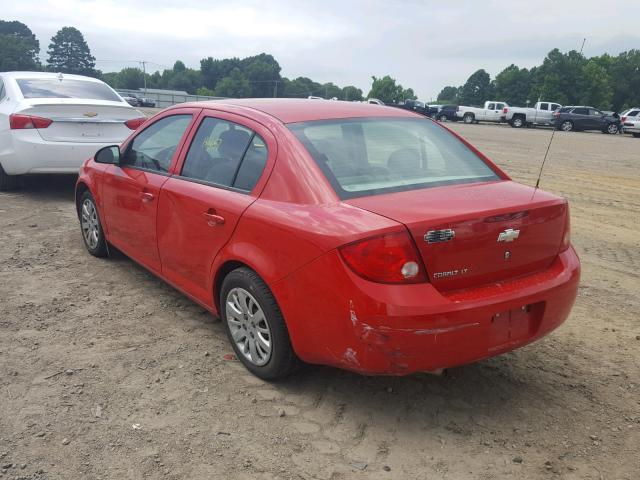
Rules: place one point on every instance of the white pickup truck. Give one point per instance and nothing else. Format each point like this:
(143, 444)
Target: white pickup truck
(540, 114)
(492, 112)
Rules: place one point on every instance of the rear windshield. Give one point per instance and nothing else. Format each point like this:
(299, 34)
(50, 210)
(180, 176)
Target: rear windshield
(65, 88)
(372, 156)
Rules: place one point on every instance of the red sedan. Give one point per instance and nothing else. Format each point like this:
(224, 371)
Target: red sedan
(360, 236)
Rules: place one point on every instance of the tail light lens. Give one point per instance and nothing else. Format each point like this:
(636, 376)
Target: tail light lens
(556, 114)
(623, 119)
(566, 237)
(26, 122)
(134, 123)
(390, 258)
(505, 110)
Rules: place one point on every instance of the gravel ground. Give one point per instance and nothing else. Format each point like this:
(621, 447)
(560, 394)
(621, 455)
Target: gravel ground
(107, 373)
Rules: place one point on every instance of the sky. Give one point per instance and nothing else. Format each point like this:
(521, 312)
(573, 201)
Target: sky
(424, 44)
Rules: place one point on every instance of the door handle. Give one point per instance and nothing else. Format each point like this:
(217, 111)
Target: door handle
(146, 197)
(213, 218)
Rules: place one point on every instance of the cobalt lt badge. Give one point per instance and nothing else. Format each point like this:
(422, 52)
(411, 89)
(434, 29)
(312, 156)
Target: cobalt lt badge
(507, 255)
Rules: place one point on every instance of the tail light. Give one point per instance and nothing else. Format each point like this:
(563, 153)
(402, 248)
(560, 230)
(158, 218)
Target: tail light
(505, 110)
(623, 119)
(390, 258)
(134, 123)
(26, 122)
(556, 114)
(566, 237)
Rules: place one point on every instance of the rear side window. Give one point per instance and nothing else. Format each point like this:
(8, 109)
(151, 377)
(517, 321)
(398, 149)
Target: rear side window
(66, 88)
(371, 156)
(226, 154)
(633, 113)
(581, 111)
(154, 147)
(544, 106)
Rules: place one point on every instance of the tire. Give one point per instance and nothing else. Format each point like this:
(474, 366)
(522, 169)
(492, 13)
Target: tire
(566, 126)
(250, 312)
(468, 118)
(518, 122)
(636, 135)
(90, 226)
(612, 129)
(8, 182)
(442, 118)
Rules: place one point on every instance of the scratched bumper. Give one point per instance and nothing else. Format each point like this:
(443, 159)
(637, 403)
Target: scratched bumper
(351, 323)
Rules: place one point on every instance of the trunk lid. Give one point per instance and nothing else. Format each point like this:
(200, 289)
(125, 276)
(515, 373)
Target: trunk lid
(501, 230)
(82, 121)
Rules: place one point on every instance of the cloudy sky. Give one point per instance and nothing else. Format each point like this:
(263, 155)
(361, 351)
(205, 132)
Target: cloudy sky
(423, 44)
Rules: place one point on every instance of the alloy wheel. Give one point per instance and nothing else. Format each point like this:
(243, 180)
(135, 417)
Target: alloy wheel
(612, 128)
(90, 224)
(248, 326)
(567, 126)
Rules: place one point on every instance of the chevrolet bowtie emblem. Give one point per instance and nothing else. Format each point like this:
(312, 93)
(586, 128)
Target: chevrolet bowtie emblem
(509, 235)
(90, 114)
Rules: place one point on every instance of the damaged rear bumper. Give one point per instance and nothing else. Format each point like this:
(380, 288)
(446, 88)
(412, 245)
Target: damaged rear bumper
(337, 318)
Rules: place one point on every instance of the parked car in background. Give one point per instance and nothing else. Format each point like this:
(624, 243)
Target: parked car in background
(418, 107)
(540, 114)
(447, 112)
(379, 241)
(51, 123)
(630, 121)
(136, 100)
(374, 101)
(491, 112)
(585, 118)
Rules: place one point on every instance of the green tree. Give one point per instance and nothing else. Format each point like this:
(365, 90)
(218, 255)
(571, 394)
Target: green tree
(129, 78)
(179, 66)
(300, 87)
(69, 53)
(263, 73)
(477, 90)
(594, 86)
(513, 85)
(213, 70)
(205, 92)
(234, 86)
(559, 76)
(448, 94)
(351, 93)
(388, 91)
(19, 47)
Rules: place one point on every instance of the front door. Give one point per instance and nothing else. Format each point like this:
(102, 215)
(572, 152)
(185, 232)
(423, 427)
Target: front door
(201, 205)
(131, 189)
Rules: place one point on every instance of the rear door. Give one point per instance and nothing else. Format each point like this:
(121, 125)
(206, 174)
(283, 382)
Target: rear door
(596, 119)
(131, 190)
(580, 118)
(218, 177)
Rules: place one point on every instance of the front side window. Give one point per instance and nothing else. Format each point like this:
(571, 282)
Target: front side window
(226, 154)
(371, 156)
(594, 112)
(66, 88)
(154, 147)
(544, 106)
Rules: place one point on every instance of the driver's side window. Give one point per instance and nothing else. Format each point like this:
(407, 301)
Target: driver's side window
(154, 147)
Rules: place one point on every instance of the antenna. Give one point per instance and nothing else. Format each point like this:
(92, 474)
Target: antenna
(543, 162)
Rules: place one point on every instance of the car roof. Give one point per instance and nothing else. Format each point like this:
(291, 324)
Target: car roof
(52, 75)
(292, 110)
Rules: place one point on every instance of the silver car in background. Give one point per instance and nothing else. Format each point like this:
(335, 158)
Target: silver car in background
(51, 123)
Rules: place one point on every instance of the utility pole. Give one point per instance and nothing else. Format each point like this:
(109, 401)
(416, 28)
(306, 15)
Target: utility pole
(582, 47)
(275, 89)
(144, 75)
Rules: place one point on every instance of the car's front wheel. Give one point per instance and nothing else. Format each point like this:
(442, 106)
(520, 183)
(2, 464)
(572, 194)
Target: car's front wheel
(612, 129)
(442, 118)
(92, 232)
(255, 325)
(8, 182)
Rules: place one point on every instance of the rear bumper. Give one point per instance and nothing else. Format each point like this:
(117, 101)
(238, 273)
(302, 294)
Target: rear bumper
(26, 152)
(630, 129)
(336, 318)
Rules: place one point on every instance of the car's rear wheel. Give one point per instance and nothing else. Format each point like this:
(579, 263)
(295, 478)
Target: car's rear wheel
(468, 118)
(636, 135)
(255, 325)
(517, 122)
(566, 126)
(8, 182)
(442, 118)
(92, 232)
(612, 129)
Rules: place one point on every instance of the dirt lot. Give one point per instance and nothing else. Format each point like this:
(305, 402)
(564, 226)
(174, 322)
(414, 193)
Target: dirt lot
(105, 372)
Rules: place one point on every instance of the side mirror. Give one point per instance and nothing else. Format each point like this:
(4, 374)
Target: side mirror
(109, 155)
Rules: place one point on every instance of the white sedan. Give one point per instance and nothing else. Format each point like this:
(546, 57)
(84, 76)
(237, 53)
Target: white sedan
(51, 123)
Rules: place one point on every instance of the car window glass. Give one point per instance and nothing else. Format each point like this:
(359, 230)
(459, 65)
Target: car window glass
(580, 111)
(66, 88)
(491, 106)
(153, 148)
(252, 165)
(633, 113)
(595, 112)
(554, 106)
(499, 106)
(544, 106)
(2, 92)
(216, 151)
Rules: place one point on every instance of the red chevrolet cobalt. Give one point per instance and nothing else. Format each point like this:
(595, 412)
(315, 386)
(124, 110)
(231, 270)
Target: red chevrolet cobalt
(360, 236)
